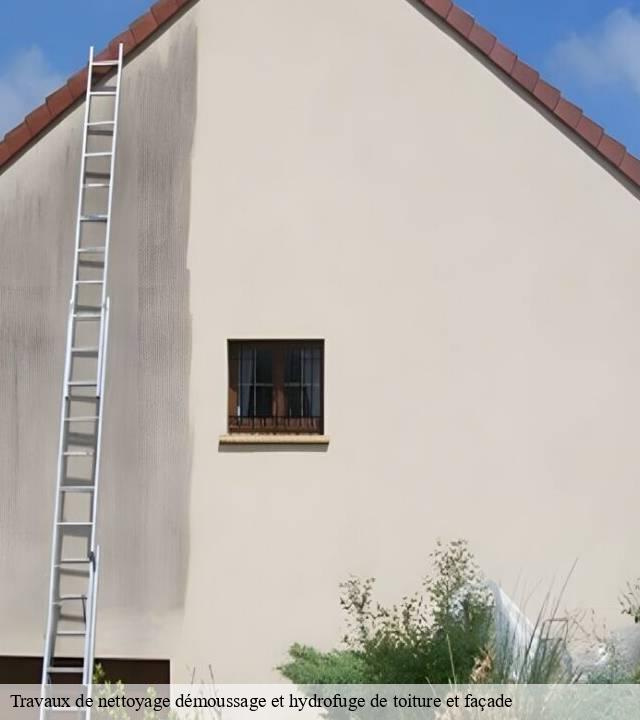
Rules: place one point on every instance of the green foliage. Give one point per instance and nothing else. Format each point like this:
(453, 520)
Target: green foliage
(308, 666)
(434, 635)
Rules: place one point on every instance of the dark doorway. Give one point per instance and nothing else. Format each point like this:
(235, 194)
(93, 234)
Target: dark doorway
(27, 670)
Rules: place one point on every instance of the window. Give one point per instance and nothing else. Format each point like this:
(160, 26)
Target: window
(276, 386)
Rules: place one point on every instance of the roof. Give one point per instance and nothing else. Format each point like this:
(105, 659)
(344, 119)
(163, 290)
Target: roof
(463, 25)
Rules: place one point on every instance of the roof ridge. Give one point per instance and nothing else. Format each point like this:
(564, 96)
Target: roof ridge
(467, 27)
(464, 25)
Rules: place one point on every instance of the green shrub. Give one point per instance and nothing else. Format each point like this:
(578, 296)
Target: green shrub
(309, 667)
(433, 636)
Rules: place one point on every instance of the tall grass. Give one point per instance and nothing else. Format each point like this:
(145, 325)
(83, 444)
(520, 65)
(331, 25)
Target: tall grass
(537, 652)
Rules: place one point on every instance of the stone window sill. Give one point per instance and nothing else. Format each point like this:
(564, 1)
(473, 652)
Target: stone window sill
(274, 439)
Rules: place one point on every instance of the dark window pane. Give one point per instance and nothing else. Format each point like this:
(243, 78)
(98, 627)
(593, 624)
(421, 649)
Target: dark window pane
(306, 402)
(245, 371)
(245, 401)
(292, 367)
(294, 402)
(315, 401)
(302, 382)
(264, 366)
(264, 401)
(307, 366)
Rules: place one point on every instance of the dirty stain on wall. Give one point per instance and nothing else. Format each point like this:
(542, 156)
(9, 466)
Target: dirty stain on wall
(147, 442)
(36, 247)
(145, 482)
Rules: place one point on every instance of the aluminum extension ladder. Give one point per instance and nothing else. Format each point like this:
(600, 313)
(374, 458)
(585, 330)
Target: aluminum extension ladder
(71, 623)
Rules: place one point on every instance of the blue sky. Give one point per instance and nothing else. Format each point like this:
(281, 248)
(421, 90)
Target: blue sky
(590, 49)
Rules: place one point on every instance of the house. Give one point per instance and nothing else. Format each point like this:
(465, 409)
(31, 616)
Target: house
(373, 282)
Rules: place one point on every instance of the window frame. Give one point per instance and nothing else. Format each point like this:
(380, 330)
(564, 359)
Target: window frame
(278, 423)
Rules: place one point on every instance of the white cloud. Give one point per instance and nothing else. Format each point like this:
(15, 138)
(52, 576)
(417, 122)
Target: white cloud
(607, 56)
(24, 84)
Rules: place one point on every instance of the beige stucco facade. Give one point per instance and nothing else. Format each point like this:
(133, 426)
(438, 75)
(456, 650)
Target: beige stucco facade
(346, 171)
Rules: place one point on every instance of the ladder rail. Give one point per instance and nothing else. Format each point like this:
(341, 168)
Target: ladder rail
(100, 388)
(112, 169)
(83, 169)
(91, 628)
(56, 513)
(89, 604)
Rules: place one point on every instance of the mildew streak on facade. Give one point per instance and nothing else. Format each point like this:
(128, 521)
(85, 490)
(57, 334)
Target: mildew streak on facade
(143, 524)
(37, 209)
(147, 441)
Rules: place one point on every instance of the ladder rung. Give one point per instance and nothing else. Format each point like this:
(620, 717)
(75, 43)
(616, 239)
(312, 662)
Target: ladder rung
(87, 315)
(95, 185)
(105, 153)
(89, 282)
(93, 218)
(78, 453)
(72, 597)
(74, 523)
(72, 561)
(82, 418)
(84, 349)
(102, 92)
(83, 383)
(71, 633)
(103, 63)
(77, 488)
(95, 249)
(66, 670)
(97, 132)
(101, 123)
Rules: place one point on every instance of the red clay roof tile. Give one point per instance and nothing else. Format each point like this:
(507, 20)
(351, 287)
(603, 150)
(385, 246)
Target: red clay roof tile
(460, 20)
(568, 112)
(441, 7)
(482, 39)
(630, 166)
(143, 27)
(38, 119)
(590, 131)
(59, 101)
(504, 59)
(612, 149)
(547, 94)
(77, 83)
(525, 75)
(126, 39)
(163, 10)
(18, 137)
